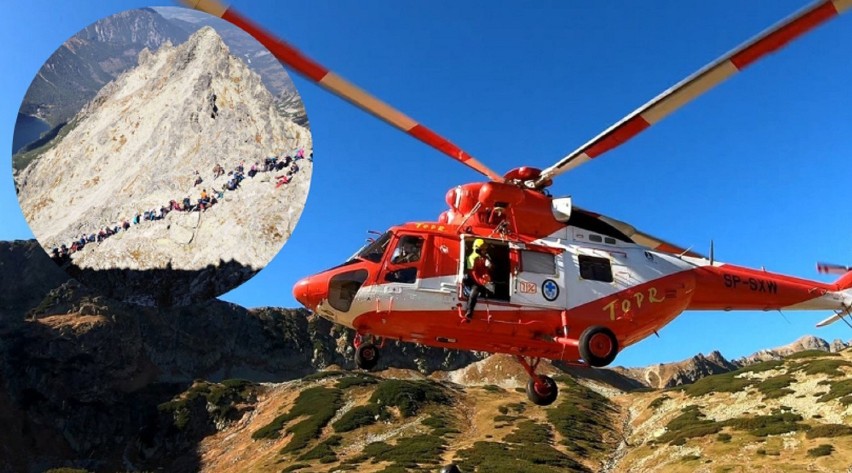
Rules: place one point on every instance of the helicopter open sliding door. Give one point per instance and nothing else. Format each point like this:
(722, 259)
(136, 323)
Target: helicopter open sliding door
(538, 277)
(497, 255)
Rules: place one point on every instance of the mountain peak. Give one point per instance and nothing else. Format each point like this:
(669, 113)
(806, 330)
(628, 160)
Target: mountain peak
(206, 39)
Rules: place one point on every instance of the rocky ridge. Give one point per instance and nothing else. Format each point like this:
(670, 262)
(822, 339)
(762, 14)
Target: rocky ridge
(95, 384)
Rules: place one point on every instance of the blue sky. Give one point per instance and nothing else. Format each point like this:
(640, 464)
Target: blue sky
(758, 164)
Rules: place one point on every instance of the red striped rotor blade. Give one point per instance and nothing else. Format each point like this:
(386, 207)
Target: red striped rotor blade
(336, 84)
(698, 83)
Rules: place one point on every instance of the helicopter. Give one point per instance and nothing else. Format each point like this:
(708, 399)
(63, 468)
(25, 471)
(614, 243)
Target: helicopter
(566, 283)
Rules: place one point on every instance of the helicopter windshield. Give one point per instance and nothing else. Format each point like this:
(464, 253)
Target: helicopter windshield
(375, 250)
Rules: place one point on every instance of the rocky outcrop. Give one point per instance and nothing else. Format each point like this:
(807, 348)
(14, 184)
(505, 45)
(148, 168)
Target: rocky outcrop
(26, 275)
(138, 145)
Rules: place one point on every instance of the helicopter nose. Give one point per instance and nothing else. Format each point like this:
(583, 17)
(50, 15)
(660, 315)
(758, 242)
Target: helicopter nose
(309, 292)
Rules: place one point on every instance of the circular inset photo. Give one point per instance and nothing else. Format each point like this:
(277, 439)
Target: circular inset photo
(162, 156)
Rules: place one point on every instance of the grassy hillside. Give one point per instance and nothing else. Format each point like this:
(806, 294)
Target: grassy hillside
(788, 415)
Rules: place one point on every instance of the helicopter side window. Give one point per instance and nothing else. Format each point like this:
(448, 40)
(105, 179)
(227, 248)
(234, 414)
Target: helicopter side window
(539, 263)
(343, 287)
(407, 252)
(595, 269)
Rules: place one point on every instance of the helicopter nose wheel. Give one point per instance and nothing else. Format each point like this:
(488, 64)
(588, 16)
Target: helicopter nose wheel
(598, 346)
(541, 390)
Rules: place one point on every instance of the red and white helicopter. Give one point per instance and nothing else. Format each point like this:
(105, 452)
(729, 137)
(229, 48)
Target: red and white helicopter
(569, 284)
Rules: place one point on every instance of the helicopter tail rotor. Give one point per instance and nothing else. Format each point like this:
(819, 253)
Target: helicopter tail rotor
(339, 86)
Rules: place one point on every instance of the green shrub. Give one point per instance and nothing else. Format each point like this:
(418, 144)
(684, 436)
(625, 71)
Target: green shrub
(821, 451)
(323, 451)
(583, 418)
(810, 354)
(827, 367)
(828, 430)
(319, 375)
(202, 394)
(319, 404)
(774, 424)
(723, 437)
(776, 386)
(493, 388)
(691, 424)
(526, 450)
(657, 403)
(357, 417)
(837, 390)
(503, 410)
(297, 466)
(440, 425)
(760, 367)
(726, 382)
(351, 381)
(408, 396)
(408, 452)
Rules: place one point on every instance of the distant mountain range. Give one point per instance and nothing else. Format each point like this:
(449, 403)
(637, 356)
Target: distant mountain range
(102, 51)
(98, 385)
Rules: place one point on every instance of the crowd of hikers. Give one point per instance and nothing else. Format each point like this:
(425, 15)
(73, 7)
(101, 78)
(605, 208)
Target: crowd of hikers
(206, 199)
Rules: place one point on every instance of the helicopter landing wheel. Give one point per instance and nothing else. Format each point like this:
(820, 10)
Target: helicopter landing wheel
(542, 390)
(598, 346)
(366, 356)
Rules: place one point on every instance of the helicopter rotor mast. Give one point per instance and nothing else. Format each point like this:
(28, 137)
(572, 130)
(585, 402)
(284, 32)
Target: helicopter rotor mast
(339, 86)
(769, 41)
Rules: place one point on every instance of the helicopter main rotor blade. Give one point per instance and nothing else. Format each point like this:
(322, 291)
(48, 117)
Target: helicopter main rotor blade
(696, 84)
(339, 86)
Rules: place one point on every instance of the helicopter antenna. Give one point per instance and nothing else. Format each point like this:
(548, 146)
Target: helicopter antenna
(784, 316)
(712, 256)
(315, 72)
(711, 75)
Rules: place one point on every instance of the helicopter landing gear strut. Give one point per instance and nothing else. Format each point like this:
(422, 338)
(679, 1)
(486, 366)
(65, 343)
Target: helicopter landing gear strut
(366, 354)
(541, 389)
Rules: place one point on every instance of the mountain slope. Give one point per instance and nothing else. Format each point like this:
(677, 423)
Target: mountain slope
(99, 385)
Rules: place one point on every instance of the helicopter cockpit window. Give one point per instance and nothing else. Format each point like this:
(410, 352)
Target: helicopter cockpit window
(408, 250)
(375, 250)
(595, 269)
